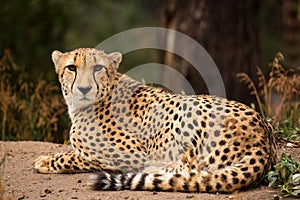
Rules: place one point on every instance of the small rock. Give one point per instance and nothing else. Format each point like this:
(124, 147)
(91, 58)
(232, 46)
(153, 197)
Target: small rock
(47, 191)
(47, 178)
(22, 197)
(190, 196)
(79, 181)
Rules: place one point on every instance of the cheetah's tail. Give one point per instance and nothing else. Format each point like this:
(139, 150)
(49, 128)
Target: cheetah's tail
(223, 180)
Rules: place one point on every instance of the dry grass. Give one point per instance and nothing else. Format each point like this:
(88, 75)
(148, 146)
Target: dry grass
(28, 110)
(282, 85)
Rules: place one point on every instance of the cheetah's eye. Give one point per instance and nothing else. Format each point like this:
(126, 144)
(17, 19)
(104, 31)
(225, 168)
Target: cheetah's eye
(71, 68)
(97, 68)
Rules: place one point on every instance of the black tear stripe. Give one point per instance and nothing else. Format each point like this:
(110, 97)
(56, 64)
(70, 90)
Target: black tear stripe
(96, 83)
(74, 81)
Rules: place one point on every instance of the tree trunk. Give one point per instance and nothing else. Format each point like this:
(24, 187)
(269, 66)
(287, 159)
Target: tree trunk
(228, 30)
(291, 31)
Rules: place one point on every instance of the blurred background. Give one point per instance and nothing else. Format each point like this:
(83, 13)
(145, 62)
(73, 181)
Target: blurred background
(239, 36)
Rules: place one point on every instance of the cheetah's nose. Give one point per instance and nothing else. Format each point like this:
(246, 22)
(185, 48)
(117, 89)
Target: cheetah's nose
(84, 90)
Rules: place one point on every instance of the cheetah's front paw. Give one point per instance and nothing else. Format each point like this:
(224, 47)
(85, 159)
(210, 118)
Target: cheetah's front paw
(42, 164)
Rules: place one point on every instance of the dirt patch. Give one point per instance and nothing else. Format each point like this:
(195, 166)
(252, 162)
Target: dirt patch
(20, 182)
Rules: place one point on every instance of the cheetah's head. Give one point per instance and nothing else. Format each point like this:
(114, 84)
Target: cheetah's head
(86, 75)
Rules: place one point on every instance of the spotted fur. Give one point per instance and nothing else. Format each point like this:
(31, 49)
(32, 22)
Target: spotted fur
(143, 138)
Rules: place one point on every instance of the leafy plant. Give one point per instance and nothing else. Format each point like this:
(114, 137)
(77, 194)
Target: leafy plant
(28, 110)
(286, 176)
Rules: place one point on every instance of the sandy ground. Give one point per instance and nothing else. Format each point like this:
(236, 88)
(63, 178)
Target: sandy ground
(20, 182)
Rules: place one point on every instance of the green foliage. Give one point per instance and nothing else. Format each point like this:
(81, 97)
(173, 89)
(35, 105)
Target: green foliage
(286, 176)
(289, 128)
(28, 110)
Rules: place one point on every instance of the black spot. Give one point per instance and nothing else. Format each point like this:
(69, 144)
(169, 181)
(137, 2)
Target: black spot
(222, 142)
(208, 149)
(224, 157)
(211, 115)
(244, 169)
(177, 130)
(175, 117)
(218, 186)
(213, 144)
(203, 124)
(258, 153)
(228, 136)
(205, 134)
(247, 175)
(217, 133)
(226, 150)
(197, 187)
(177, 175)
(172, 182)
(256, 169)
(184, 106)
(223, 178)
(252, 161)
(211, 160)
(235, 181)
(194, 142)
(198, 133)
(182, 124)
(249, 113)
(185, 133)
(233, 173)
(217, 152)
(219, 108)
(208, 188)
(93, 144)
(208, 106)
(236, 143)
(67, 166)
(228, 186)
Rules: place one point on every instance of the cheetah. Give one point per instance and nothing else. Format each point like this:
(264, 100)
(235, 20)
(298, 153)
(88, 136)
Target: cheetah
(137, 137)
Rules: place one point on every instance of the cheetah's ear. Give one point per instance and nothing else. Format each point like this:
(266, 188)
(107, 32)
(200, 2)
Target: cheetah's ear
(56, 55)
(116, 57)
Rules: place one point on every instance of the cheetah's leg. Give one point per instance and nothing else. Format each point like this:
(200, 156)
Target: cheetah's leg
(69, 162)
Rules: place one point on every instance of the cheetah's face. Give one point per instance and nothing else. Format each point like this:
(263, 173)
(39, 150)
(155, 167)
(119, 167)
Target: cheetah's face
(85, 75)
